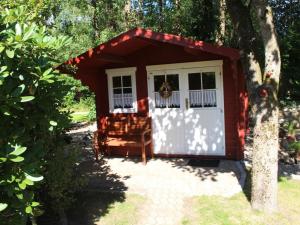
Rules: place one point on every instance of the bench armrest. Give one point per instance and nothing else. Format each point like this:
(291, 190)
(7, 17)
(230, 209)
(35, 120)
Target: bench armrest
(144, 133)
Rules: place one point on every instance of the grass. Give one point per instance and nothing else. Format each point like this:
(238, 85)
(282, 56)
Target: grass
(78, 117)
(215, 210)
(123, 213)
(96, 208)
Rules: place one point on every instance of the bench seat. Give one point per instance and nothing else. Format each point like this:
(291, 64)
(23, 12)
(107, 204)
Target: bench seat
(124, 132)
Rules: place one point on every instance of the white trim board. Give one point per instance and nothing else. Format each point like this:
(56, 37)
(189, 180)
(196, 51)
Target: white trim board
(187, 65)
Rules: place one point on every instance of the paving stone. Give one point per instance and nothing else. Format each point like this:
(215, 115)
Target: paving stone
(165, 183)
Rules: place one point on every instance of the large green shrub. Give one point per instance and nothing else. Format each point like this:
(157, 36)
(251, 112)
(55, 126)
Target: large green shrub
(31, 122)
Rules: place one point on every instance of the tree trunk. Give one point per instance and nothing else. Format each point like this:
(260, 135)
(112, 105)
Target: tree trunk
(161, 16)
(262, 90)
(127, 12)
(177, 24)
(141, 12)
(222, 23)
(266, 143)
(94, 21)
(63, 220)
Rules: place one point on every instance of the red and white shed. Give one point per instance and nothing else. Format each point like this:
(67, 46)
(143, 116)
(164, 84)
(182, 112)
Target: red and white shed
(194, 91)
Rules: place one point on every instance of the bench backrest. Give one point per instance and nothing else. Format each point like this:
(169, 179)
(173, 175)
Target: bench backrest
(127, 125)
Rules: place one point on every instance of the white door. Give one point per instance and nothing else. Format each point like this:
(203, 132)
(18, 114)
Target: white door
(203, 117)
(167, 113)
(191, 120)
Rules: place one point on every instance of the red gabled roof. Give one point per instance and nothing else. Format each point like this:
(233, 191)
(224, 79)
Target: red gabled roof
(136, 38)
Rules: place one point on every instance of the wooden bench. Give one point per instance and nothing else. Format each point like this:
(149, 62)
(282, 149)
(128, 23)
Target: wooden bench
(124, 132)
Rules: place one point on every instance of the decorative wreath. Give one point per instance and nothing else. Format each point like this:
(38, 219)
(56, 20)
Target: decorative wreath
(165, 91)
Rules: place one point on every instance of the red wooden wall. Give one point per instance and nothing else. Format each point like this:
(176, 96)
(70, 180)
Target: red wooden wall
(235, 98)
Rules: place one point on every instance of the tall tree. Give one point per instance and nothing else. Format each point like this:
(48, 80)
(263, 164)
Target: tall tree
(262, 86)
(222, 23)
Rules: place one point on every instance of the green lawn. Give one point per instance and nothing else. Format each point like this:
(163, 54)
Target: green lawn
(96, 208)
(80, 117)
(215, 210)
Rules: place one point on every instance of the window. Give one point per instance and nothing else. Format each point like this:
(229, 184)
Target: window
(202, 90)
(121, 88)
(173, 81)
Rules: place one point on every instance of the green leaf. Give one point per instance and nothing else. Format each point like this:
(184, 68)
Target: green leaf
(10, 53)
(18, 150)
(17, 159)
(34, 204)
(18, 29)
(3, 68)
(34, 178)
(28, 33)
(2, 159)
(47, 72)
(27, 98)
(2, 48)
(28, 182)
(3, 206)
(53, 123)
(22, 185)
(28, 209)
(18, 91)
(20, 196)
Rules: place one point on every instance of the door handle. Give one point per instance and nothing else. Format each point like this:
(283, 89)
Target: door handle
(186, 103)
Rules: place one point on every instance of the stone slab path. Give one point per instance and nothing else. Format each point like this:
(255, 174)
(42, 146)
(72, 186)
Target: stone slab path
(166, 183)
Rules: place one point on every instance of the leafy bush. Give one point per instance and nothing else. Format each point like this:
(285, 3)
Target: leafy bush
(92, 112)
(76, 93)
(294, 146)
(32, 124)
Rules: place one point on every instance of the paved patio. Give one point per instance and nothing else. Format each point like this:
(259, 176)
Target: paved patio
(165, 183)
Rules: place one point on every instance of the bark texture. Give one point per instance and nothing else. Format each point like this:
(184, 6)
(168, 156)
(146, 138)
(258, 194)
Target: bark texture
(222, 23)
(127, 12)
(262, 89)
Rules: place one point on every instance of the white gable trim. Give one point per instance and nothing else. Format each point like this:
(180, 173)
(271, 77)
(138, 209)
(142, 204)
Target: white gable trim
(187, 65)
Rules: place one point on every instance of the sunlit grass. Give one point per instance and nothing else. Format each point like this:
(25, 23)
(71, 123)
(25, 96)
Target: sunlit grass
(80, 117)
(123, 213)
(101, 208)
(216, 210)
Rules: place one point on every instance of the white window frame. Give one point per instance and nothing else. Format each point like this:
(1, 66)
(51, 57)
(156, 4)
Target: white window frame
(129, 71)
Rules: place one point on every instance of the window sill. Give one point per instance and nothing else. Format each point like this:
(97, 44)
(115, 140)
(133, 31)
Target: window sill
(131, 110)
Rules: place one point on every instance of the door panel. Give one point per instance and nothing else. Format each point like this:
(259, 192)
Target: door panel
(191, 120)
(204, 129)
(167, 114)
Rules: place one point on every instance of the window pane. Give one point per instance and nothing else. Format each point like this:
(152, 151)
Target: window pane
(194, 81)
(117, 91)
(209, 80)
(116, 82)
(126, 81)
(127, 90)
(158, 81)
(173, 80)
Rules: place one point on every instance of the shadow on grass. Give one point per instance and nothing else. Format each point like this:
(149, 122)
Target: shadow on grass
(103, 189)
(247, 186)
(91, 206)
